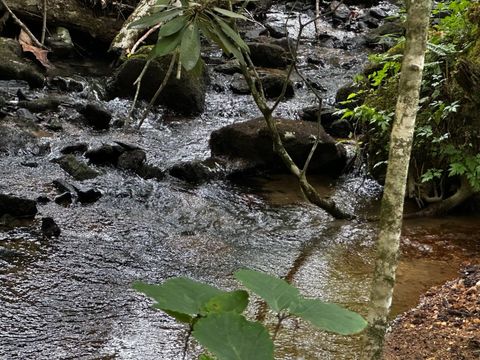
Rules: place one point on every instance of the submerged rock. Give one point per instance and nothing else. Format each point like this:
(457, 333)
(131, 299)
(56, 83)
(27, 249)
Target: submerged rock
(272, 82)
(268, 55)
(17, 207)
(105, 155)
(96, 116)
(50, 227)
(14, 66)
(132, 159)
(251, 141)
(79, 170)
(185, 95)
(197, 171)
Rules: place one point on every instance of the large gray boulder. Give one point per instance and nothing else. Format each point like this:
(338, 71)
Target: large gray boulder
(251, 141)
(185, 95)
(14, 66)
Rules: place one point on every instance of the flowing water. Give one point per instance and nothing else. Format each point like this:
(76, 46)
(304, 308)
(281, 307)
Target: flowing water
(71, 297)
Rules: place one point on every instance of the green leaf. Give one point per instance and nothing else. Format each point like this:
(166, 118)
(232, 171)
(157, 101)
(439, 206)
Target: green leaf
(190, 47)
(278, 294)
(232, 34)
(165, 45)
(180, 317)
(179, 295)
(229, 13)
(173, 26)
(224, 42)
(230, 336)
(330, 317)
(205, 357)
(235, 301)
(154, 19)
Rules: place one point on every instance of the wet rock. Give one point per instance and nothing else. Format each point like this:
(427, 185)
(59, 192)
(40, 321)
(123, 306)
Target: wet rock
(14, 66)
(268, 55)
(30, 164)
(44, 104)
(340, 128)
(26, 114)
(54, 125)
(105, 155)
(77, 169)
(251, 141)
(132, 160)
(96, 116)
(371, 22)
(197, 172)
(87, 196)
(340, 10)
(42, 200)
(60, 43)
(272, 82)
(17, 207)
(341, 98)
(148, 171)
(185, 95)
(50, 227)
(393, 28)
(328, 115)
(377, 13)
(67, 84)
(64, 199)
(79, 148)
(229, 68)
(274, 31)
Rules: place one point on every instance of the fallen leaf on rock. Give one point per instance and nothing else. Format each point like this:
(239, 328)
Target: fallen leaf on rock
(40, 54)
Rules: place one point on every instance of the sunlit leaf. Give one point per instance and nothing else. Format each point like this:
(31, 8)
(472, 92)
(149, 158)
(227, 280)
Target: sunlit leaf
(180, 295)
(154, 19)
(190, 47)
(278, 294)
(229, 13)
(230, 336)
(173, 26)
(329, 317)
(235, 301)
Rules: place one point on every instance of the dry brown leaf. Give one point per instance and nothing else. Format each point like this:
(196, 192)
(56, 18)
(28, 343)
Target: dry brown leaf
(40, 54)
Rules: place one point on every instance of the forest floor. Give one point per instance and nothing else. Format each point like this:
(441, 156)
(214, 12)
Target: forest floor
(444, 326)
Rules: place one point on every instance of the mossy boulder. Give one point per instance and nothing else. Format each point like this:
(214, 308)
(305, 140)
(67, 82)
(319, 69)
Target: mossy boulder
(251, 141)
(13, 66)
(185, 95)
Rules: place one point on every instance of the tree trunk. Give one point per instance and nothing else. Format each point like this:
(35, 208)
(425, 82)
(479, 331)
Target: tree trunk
(394, 192)
(69, 13)
(440, 208)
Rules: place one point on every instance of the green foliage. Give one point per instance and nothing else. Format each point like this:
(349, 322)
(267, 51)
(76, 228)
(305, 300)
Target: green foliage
(215, 316)
(180, 29)
(231, 336)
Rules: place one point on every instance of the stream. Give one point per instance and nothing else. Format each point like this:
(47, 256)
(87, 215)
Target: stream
(70, 297)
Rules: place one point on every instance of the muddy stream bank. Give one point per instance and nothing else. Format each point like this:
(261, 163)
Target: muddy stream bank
(70, 297)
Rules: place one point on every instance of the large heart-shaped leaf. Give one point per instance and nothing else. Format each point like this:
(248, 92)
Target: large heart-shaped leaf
(190, 47)
(235, 301)
(278, 294)
(180, 295)
(229, 336)
(330, 317)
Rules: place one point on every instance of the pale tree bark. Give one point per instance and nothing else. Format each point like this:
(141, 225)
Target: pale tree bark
(388, 240)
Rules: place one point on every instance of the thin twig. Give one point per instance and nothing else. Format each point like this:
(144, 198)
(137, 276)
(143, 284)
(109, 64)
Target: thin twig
(44, 22)
(138, 84)
(159, 90)
(22, 25)
(144, 36)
